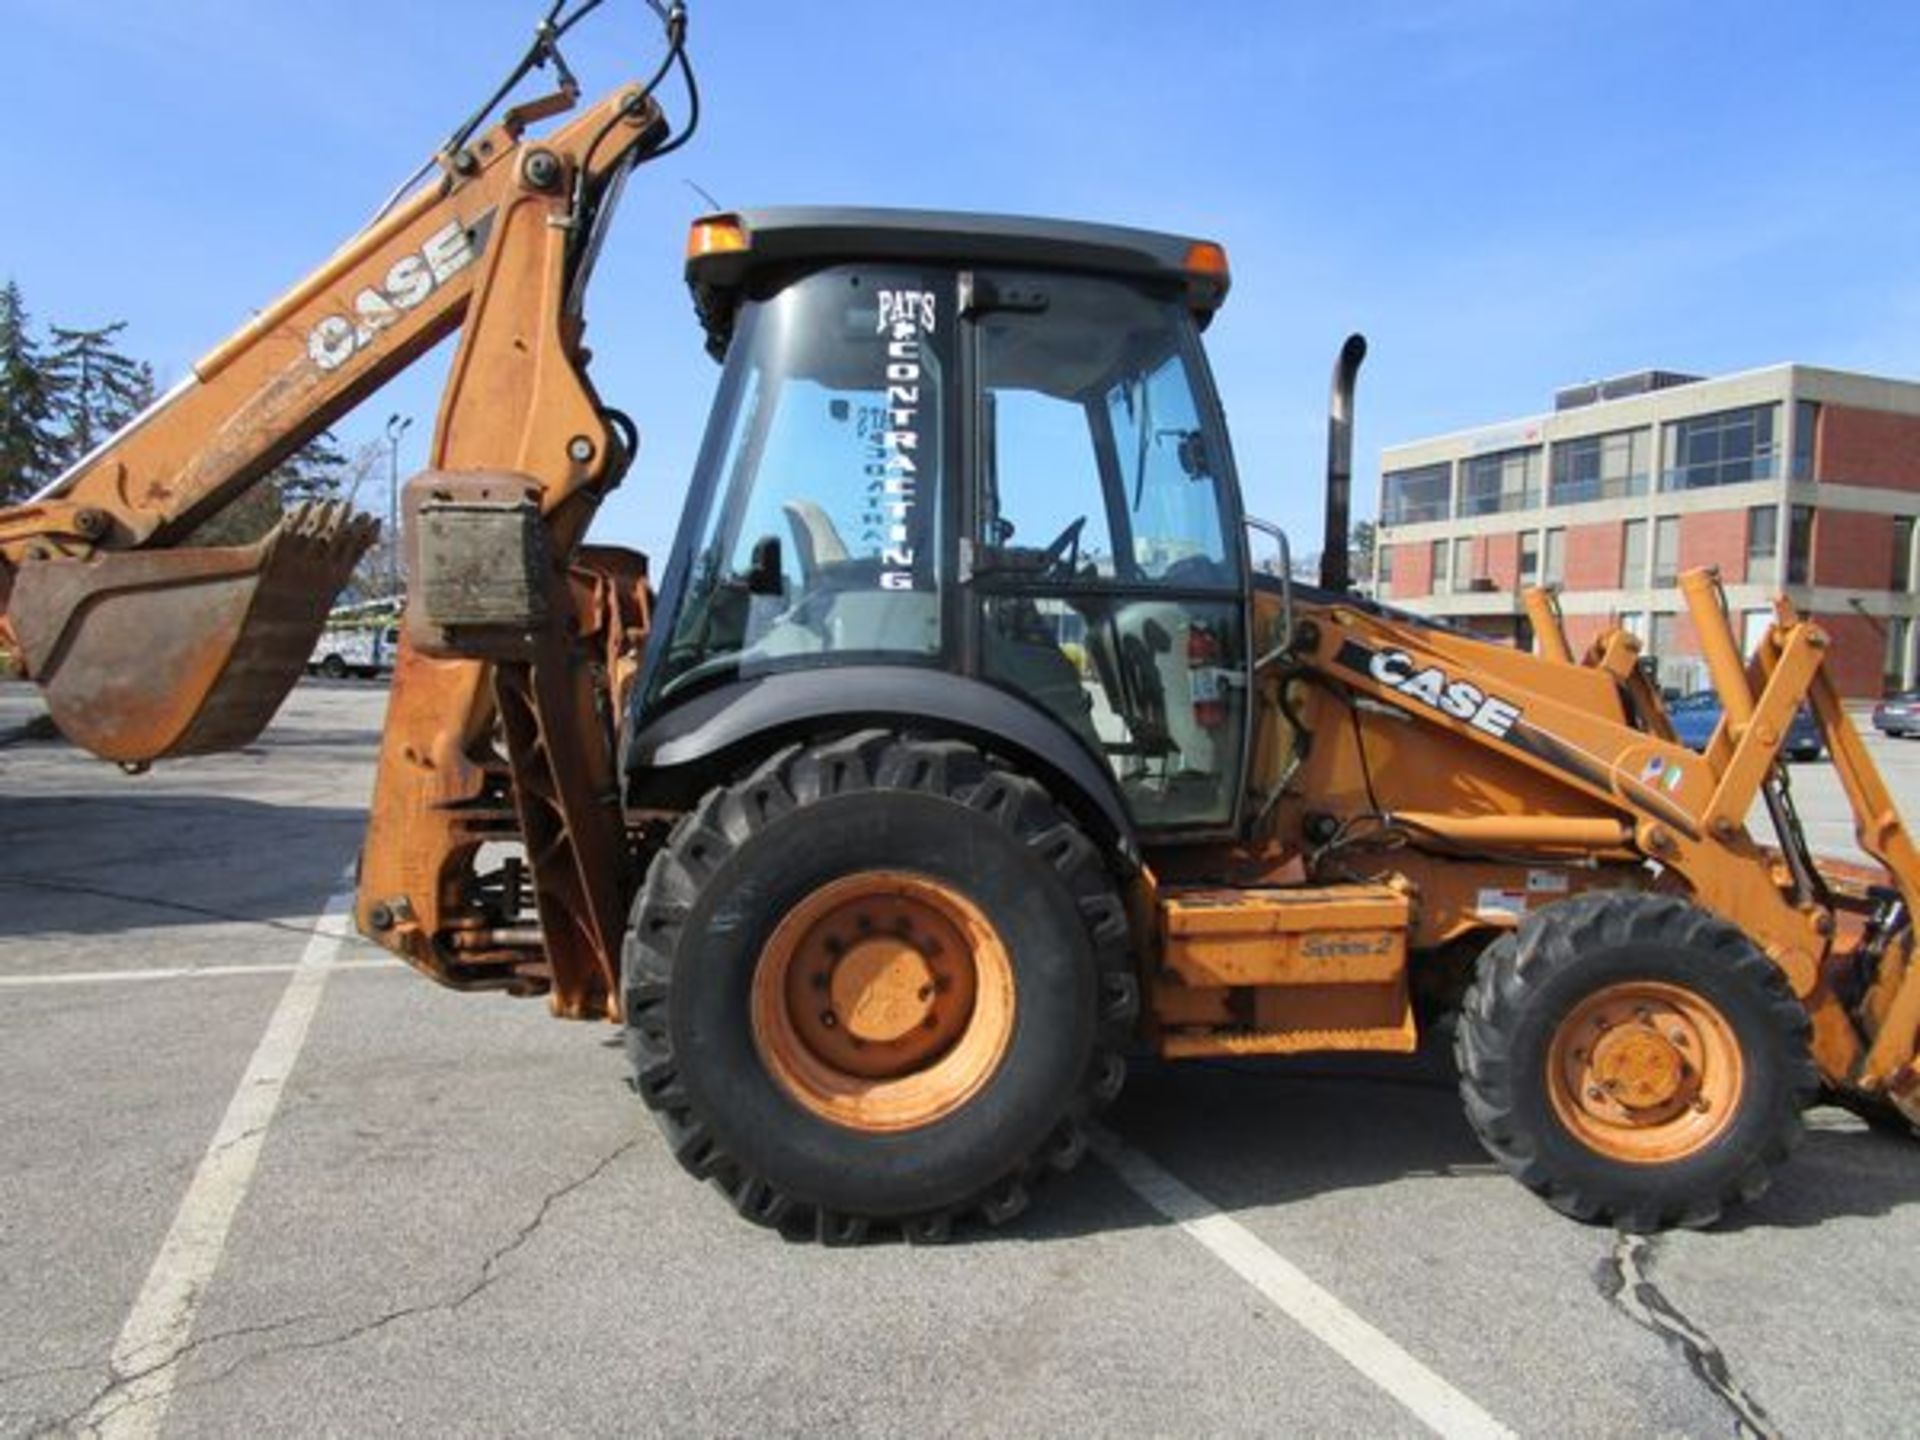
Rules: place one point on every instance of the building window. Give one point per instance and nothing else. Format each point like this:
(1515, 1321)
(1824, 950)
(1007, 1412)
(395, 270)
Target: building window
(1753, 629)
(1383, 562)
(1408, 497)
(1729, 448)
(1666, 549)
(1895, 673)
(1800, 545)
(1529, 557)
(1806, 425)
(1634, 622)
(1554, 568)
(1599, 467)
(1633, 555)
(1491, 484)
(1901, 578)
(1463, 564)
(1660, 638)
(1763, 543)
(1440, 552)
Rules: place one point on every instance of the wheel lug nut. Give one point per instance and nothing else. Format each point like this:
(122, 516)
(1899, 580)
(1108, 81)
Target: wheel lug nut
(829, 1019)
(1700, 1104)
(1678, 1037)
(1594, 1092)
(926, 992)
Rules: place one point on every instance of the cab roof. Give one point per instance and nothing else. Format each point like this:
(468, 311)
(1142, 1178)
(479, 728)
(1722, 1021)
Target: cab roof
(731, 253)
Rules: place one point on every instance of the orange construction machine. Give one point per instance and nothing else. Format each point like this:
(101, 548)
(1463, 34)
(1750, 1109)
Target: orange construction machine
(976, 738)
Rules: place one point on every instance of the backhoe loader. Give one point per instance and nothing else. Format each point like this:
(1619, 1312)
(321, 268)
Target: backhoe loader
(976, 739)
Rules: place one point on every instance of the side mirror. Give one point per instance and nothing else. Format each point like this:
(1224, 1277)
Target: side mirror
(764, 573)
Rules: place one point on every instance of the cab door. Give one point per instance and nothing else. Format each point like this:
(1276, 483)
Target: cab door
(1103, 562)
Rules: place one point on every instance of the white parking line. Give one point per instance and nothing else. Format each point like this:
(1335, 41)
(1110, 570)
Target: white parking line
(146, 1358)
(1436, 1404)
(181, 972)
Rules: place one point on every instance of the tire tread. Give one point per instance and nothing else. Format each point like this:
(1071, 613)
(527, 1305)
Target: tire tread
(699, 845)
(1511, 973)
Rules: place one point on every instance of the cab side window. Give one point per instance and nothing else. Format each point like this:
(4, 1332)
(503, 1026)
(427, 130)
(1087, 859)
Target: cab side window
(1107, 592)
(1172, 498)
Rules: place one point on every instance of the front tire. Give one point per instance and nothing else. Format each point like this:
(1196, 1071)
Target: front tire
(1634, 1059)
(879, 980)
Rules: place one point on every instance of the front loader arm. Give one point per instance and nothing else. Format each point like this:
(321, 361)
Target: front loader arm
(1558, 763)
(147, 646)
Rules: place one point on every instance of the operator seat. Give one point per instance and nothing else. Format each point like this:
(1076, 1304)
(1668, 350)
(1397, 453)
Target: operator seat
(816, 539)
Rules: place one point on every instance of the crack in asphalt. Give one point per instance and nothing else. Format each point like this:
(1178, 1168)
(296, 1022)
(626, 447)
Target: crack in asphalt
(489, 1274)
(118, 1379)
(1625, 1278)
(14, 1377)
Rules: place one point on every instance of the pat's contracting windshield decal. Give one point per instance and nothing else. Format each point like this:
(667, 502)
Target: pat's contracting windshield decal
(905, 317)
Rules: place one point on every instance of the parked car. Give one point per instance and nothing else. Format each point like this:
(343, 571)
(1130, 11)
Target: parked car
(1898, 714)
(1695, 717)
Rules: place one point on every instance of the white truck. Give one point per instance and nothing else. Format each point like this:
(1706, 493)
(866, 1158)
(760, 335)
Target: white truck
(364, 649)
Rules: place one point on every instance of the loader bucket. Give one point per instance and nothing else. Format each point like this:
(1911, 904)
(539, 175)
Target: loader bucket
(149, 654)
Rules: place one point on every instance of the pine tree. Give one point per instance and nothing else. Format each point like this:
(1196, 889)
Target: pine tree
(30, 448)
(96, 389)
(1360, 547)
(313, 472)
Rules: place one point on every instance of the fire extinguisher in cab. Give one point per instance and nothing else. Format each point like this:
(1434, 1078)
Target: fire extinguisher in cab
(1204, 677)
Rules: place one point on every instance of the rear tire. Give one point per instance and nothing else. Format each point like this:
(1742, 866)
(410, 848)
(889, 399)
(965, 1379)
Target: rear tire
(774, 890)
(1634, 1059)
(334, 668)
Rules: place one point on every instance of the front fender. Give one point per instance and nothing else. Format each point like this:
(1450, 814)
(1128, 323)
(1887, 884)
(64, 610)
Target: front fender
(685, 749)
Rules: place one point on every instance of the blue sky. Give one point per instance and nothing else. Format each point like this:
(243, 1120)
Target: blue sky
(1506, 197)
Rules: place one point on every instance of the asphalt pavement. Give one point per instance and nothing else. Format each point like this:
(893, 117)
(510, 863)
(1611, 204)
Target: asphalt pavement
(257, 1179)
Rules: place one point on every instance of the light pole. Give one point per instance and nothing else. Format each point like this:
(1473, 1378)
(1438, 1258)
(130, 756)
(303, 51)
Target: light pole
(397, 425)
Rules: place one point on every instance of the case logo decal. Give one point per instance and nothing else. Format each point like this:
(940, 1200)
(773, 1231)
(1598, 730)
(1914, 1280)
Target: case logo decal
(1432, 687)
(407, 284)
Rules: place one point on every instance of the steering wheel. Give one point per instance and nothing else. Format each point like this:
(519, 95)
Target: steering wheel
(1062, 555)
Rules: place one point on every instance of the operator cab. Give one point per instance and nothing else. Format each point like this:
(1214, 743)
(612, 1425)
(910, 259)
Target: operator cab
(975, 444)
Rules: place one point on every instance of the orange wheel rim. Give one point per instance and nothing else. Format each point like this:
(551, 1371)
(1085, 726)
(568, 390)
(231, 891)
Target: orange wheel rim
(883, 1001)
(1644, 1072)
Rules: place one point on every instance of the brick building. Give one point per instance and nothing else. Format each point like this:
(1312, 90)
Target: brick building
(1790, 477)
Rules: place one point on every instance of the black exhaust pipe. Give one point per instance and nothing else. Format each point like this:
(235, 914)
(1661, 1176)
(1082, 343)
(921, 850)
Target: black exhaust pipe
(1336, 569)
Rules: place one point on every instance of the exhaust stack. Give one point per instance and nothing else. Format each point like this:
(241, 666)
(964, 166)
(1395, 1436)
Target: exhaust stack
(1336, 573)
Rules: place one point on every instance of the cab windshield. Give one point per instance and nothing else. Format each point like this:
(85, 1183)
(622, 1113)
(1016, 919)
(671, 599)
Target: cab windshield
(813, 534)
